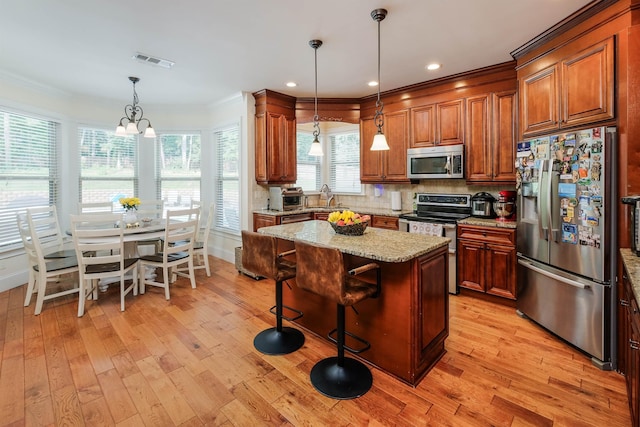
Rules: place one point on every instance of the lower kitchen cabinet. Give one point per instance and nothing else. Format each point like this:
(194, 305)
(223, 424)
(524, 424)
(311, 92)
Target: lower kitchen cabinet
(630, 336)
(381, 221)
(262, 220)
(486, 260)
(321, 216)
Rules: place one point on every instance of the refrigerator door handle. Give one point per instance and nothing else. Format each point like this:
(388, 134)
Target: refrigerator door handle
(549, 198)
(543, 231)
(552, 276)
(555, 232)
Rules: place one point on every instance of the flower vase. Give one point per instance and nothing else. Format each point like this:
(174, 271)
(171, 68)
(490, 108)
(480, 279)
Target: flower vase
(130, 218)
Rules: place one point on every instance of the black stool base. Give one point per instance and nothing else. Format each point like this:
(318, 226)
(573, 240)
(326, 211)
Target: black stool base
(349, 381)
(272, 342)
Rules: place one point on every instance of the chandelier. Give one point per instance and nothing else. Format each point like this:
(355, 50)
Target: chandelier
(131, 111)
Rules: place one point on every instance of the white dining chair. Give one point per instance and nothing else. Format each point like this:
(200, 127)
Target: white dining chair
(201, 244)
(99, 243)
(46, 276)
(177, 249)
(44, 222)
(95, 207)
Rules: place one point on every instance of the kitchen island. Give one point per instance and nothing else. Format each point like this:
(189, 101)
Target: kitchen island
(408, 323)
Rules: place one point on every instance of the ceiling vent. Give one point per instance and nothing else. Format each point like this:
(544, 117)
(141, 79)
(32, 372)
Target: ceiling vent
(165, 63)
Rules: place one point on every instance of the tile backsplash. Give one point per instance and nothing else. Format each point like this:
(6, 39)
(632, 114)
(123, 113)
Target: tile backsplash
(379, 195)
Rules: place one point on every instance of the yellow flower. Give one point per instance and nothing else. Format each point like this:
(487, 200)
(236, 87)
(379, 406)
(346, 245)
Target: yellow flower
(129, 203)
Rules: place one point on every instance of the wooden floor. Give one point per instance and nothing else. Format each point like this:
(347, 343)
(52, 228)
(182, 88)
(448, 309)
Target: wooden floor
(191, 361)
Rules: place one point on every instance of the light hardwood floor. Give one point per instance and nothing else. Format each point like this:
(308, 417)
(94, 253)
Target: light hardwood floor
(190, 361)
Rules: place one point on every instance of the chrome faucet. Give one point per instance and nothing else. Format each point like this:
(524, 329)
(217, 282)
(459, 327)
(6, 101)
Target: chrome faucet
(325, 193)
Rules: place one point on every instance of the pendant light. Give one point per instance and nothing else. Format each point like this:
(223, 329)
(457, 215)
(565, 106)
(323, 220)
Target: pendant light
(316, 148)
(130, 112)
(379, 140)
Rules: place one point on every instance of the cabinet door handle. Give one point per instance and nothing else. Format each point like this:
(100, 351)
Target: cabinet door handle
(633, 344)
(624, 303)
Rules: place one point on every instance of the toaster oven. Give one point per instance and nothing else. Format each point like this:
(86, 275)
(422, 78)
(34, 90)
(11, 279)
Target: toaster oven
(285, 198)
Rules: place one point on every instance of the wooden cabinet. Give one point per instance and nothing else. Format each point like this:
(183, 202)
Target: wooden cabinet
(437, 124)
(487, 260)
(321, 216)
(630, 337)
(275, 139)
(388, 222)
(260, 220)
(491, 137)
(385, 166)
(575, 91)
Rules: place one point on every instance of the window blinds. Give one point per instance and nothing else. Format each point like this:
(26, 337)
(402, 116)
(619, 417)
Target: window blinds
(227, 178)
(28, 170)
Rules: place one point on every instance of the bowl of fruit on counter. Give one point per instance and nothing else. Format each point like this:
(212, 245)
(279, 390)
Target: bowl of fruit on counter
(348, 223)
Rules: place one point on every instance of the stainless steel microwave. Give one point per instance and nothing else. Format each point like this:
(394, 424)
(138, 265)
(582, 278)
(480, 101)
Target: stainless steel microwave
(446, 161)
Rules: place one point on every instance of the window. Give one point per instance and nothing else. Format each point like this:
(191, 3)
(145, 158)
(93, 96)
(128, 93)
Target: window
(308, 167)
(178, 161)
(339, 167)
(344, 162)
(28, 172)
(108, 165)
(227, 178)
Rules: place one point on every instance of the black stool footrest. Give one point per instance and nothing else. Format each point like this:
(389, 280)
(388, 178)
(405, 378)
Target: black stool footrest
(366, 344)
(299, 314)
(351, 380)
(272, 342)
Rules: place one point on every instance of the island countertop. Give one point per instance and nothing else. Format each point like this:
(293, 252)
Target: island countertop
(376, 243)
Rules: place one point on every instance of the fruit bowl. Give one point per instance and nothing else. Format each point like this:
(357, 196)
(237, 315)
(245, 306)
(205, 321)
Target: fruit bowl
(348, 223)
(350, 230)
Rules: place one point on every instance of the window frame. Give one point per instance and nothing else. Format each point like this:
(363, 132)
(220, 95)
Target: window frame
(158, 169)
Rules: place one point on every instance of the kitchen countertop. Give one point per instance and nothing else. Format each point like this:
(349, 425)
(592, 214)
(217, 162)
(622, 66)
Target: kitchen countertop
(632, 264)
(376, 243)
(314, 209)
(488, 222)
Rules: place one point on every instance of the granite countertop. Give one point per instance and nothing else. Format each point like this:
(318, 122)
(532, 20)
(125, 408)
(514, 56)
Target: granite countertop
(488, 222)
(376, 243)
(314, 209)
(632, 265)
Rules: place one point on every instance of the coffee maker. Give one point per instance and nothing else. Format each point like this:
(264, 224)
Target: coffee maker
(505, 207)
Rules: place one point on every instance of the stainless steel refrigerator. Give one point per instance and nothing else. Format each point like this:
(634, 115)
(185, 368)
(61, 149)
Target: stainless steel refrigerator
(566, 238)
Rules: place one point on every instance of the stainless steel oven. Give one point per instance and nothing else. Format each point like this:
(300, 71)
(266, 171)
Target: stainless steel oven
(443, 211)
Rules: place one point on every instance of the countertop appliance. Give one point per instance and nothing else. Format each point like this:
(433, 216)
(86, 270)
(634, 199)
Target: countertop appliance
(285, 198)
(482, 205)
(505, 207)
(634, 214)
(445, 161)
(439, 213)
(566, 238)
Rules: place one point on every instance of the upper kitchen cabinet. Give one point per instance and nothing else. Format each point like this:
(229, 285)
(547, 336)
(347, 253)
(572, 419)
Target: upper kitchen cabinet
(491, 136)
(385, 166)
(275, 138)
(572, 91)
(437, 124)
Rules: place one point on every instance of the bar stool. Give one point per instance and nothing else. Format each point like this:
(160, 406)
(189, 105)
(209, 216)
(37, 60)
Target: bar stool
(321, 270)
(260, 256)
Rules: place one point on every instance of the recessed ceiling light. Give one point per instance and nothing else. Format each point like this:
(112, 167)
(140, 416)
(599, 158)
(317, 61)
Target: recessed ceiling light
(292, 84)
(432, 67)
(373, 84)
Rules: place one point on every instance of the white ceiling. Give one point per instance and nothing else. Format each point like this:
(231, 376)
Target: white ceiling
(84, 47)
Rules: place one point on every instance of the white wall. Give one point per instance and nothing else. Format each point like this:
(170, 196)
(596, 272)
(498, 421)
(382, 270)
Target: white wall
(73, 111)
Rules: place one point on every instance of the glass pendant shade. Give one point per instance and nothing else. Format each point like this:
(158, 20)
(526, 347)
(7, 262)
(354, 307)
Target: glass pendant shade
(379, 142)
(132, 129)
(121, 131)
(149, 132)
(316, 148)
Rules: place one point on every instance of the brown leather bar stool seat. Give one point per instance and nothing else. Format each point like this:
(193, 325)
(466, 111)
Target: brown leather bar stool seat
(321, 270)
(260, 256)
